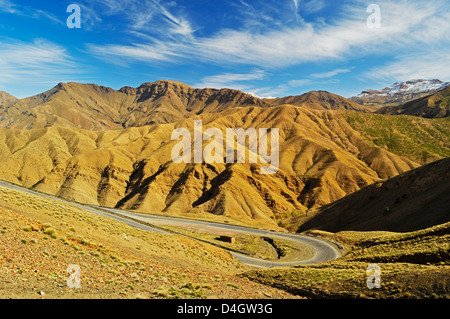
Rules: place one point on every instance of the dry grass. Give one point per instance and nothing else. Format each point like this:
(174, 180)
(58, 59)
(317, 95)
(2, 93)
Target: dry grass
(413, 265)
(269, 248)
(40, 238)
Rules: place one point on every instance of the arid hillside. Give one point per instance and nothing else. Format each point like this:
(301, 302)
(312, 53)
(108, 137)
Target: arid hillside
(113, 148)
(411, 201)
(41, 237)
(6, 98)
(420, 139)
(322, 159)
(321, 100)
(435, 105)
(94, 107)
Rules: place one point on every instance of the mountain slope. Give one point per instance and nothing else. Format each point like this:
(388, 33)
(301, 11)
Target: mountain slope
(94, 107)
(411, 201)
(420, 139)
(72, 105)
(322, 159)
(6, 98)
(436, 105)
(414, 266)
(320, 100)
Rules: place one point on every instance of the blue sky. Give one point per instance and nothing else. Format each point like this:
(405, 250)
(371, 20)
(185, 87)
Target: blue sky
(269, 48)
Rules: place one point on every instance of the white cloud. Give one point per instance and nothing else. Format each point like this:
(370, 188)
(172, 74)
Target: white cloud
(151, 16)
(329, 74)
(418, 65)
(404, 24)
(177, 24)
(9, 7)
(318, 78)
(312, 6)
(36, 63)
(231, 80)
(120, 54)
(114, 6)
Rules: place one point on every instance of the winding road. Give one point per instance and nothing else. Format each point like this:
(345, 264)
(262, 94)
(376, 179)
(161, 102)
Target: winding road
(324, 250)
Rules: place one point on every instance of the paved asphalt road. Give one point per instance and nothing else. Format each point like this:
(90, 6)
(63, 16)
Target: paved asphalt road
(324, 250)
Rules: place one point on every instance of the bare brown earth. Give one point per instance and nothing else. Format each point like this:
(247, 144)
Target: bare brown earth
(321, 100)
(94, 107)
(435, 105)
(6, 98)
(411, 201)
(322, 159)
(113, 148)
(40, 238)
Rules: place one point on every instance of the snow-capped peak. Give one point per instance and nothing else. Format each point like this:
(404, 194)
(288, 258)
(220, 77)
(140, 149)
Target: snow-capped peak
(408, 87)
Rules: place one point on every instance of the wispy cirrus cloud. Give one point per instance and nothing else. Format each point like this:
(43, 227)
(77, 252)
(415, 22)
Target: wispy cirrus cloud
(416, 65)
(37, 63)
(319, 78)
(235, 80)
(10, 7)
(152, 16)
(329, 74)
(158, 33)
(262, 16)
(310, 6)
(403, 24)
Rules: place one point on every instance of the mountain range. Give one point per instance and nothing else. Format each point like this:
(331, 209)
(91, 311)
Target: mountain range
(95, 107)
(411, 201)
(109, 147)
(321, 160)
(321, 100)
(399, 92)
(436, 105)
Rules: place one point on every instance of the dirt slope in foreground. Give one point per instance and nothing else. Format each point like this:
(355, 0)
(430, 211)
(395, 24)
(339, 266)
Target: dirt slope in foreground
(40, 238)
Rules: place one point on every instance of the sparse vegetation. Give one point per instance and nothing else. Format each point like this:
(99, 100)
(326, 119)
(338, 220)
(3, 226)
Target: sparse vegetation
(256, 246)
(325, 156)
(420, 139)
(413, 265)
(111, 267)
